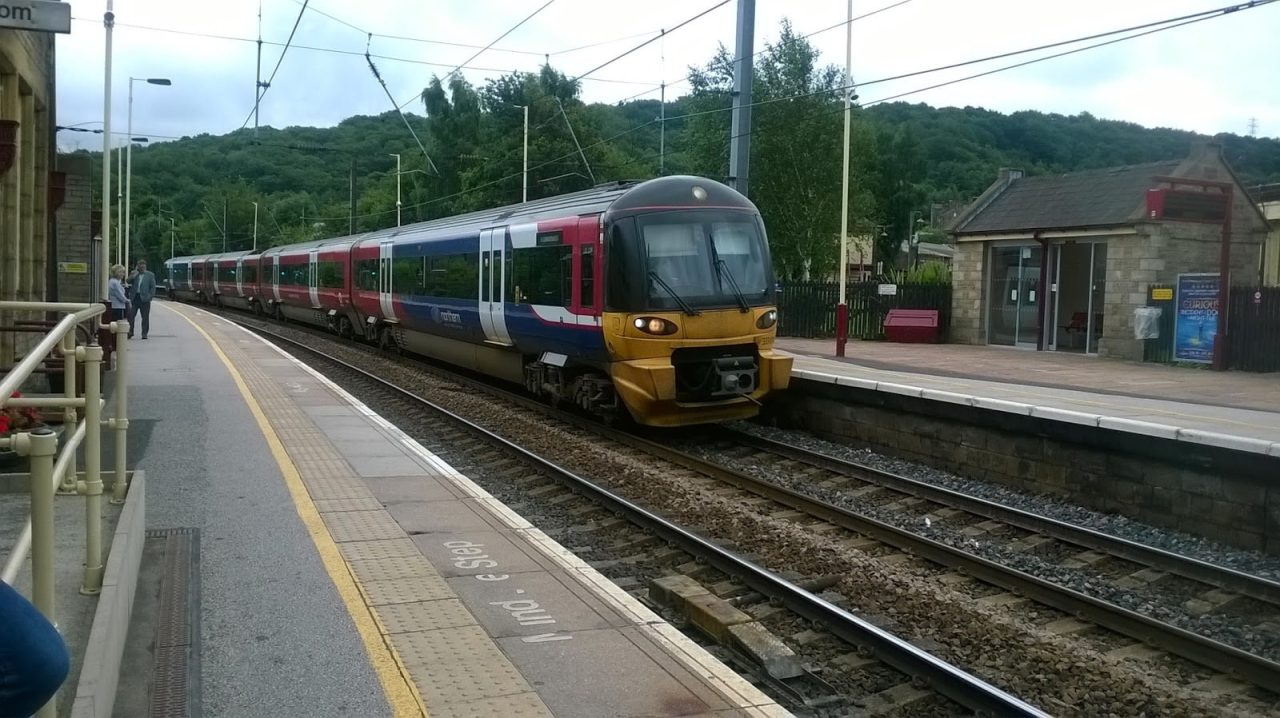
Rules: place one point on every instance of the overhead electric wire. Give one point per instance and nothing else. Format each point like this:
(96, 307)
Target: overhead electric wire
(257, 103)
(423, 40)
(336, 51)
(1154, 28)
(481, 51)
(718, 5)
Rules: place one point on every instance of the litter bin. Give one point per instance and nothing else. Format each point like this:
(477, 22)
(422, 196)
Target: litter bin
(912, 326)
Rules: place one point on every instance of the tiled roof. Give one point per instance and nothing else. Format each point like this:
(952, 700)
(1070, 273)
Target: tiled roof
(1111, 196)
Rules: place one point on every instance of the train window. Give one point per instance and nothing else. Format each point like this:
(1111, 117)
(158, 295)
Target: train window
(330, 275)
(407, 276)
(587, 286)
(227, 274)
(367, 275)
(249, 272)
(454, 276)
(541, 275)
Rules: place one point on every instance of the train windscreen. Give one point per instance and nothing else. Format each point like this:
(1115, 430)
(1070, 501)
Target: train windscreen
(703, 260)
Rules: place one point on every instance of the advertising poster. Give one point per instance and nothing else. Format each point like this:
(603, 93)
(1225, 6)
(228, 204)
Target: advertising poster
(1196, 321)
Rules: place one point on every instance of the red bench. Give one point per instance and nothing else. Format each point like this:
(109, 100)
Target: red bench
(912, 325)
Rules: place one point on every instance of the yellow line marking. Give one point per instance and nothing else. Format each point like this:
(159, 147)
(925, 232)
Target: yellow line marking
(400, 692)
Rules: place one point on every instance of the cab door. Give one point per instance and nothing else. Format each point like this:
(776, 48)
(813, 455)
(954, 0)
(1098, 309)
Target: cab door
(240, 277)
(492, 282)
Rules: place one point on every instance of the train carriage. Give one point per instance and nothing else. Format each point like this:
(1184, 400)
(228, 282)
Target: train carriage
(653, 298)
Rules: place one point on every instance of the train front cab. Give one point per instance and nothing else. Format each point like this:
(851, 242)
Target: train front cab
(689, 318)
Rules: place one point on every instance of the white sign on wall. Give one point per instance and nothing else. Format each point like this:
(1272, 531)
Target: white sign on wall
(38, 15)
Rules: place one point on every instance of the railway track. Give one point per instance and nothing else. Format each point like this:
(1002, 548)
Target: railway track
(917, 668)
(819, 516)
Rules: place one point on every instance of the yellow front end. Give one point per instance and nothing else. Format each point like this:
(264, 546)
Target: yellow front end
(646, 379)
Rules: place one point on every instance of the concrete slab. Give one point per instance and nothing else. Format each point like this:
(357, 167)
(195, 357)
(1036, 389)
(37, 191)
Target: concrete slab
(437, 517)
(371, 466)
(475, 553)
(401, 489)
(528, 605)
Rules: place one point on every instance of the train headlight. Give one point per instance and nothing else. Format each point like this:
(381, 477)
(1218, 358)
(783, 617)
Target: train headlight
(654, 325)
(768, 319)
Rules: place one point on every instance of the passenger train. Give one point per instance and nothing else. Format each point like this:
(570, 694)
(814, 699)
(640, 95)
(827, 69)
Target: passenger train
(654, 298)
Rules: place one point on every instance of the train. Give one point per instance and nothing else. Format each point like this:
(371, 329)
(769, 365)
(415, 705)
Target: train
(652, 299)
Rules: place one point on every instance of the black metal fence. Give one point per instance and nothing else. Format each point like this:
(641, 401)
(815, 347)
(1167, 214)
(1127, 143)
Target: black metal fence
(1253, 327)
(808, 309)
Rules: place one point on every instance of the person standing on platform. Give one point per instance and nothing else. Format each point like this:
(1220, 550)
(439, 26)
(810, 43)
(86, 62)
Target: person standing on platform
(116, 293)
(33, 658)
(141, 291)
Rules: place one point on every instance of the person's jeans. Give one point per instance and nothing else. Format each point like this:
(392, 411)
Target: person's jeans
(145, 309)
(33, 657)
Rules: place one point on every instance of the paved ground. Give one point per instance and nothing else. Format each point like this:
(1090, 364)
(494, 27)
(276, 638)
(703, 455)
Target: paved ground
(1241, 390)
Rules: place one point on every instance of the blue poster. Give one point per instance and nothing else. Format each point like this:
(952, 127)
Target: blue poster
(1196, 322)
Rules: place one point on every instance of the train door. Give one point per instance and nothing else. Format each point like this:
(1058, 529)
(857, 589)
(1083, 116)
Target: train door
(493, 253)
(275, 277)
(313, 276)
(385, 291)
(240, 277)
(587, 264)
(213, 280)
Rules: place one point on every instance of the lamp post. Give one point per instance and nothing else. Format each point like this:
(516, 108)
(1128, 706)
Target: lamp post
(108, 22)
(842, 309)
(255, 226)
(128, 187)
(524, 196)
(397, 156)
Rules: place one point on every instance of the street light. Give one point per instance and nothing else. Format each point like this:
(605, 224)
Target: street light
(842, 308)
(128, 187)
(524, 197)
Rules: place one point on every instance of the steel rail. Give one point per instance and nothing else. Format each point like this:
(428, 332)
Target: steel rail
(1193, 646)
(948, 680)
(1240, 582)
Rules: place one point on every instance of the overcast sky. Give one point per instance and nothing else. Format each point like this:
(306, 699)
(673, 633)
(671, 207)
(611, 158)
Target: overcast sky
(1213, 76)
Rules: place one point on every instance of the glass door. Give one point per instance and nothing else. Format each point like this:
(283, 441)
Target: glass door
(1013, 309)
(1097, 292)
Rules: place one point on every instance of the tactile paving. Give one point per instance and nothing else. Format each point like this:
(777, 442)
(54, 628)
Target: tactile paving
(520, 705)
(406, 590)
(327, 506)
(457, 665)
(362, 526)
(335, 488)
(372, 550)
(424, 615)
(385, 569)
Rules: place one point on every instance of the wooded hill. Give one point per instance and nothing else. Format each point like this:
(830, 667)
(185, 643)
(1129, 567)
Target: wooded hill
(905, 157)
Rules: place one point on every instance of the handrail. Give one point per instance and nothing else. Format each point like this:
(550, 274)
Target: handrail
(52, 467)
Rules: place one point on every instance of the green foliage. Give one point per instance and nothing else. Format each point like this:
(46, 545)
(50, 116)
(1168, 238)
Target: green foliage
(930, 273)
(904, 157)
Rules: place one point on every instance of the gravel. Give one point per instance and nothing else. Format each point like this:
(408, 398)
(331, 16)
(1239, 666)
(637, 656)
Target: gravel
(1159, 601)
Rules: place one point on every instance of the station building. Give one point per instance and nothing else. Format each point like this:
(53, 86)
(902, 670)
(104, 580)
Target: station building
(1060, 262)
(27, 184)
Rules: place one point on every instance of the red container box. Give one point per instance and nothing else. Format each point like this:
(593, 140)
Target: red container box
(916, 326)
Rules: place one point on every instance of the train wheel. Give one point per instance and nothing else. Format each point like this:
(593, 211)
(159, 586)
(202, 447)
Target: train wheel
(387, 342)
(344, 328)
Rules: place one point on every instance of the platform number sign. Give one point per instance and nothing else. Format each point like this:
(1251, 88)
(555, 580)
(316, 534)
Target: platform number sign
(1196, 319)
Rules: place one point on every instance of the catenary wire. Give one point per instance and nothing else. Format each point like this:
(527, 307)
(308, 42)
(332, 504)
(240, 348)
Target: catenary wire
(407, 38)
(261, 92)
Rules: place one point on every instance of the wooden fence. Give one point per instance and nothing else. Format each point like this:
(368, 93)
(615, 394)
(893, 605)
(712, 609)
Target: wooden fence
(808, 309)
(1253, 329)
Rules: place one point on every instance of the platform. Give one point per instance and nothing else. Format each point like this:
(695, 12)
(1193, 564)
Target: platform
(1228, 410)
(345, 569)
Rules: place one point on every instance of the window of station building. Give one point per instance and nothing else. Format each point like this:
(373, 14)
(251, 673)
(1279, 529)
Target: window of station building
(329, 275)
(541, 275)
(367, 275)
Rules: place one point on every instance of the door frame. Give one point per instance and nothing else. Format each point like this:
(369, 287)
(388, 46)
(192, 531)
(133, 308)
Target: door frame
(1056, 247)
(990, 250)
(493, 268)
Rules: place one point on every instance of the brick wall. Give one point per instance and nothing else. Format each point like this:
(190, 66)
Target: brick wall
(1234, 507)
(75, 232)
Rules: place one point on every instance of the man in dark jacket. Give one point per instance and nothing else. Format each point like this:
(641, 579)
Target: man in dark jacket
(142, 289)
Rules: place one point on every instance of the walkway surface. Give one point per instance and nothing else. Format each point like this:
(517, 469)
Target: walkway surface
(1228, 403)
(347, 570)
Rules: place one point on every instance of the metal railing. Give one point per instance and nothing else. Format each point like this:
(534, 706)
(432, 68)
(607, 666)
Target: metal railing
(53, 467)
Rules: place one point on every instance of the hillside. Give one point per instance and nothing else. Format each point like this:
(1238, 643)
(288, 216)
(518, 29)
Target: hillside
(906, 156)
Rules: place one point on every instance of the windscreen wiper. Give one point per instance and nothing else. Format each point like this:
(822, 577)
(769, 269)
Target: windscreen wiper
(684, 306)
(723, 268)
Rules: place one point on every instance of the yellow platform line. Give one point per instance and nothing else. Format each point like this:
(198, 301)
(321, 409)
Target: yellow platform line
(399, 690)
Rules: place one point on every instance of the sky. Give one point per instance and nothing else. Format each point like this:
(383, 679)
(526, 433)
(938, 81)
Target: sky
(1212, 76)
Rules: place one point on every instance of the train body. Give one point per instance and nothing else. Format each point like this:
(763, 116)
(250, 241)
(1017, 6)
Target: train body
(653, 298)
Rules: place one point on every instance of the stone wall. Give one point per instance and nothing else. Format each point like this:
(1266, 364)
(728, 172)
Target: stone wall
(968, 294)
(1203, 494)
(75, 231)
